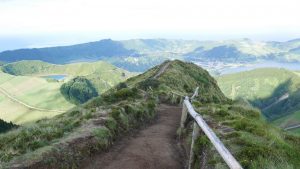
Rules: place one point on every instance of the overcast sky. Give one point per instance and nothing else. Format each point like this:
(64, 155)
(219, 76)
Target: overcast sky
(50, 22)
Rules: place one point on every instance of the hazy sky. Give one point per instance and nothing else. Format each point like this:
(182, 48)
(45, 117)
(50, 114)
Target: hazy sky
(50, 22)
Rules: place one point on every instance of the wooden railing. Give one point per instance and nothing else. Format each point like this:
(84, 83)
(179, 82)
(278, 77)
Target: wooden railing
(199, 123)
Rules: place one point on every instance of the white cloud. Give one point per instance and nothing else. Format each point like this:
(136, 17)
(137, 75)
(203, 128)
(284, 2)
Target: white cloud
(197, 16)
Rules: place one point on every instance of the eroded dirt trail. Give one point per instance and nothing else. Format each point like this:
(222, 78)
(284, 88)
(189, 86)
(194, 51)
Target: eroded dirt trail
(154, 147)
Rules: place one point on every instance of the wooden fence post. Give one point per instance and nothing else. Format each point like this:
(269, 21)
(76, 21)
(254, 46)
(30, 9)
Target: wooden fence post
(183, 117)
(195, 135)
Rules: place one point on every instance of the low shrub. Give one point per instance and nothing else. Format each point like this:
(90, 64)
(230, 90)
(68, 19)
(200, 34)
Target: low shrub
(150, 82)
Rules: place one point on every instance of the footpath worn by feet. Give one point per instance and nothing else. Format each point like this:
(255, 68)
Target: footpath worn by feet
(154, 147)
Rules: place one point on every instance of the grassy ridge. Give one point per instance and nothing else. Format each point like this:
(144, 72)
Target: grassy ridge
(118, 109)
(95, 125)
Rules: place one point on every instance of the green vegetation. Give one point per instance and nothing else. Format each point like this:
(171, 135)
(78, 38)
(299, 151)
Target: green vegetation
(4, 126)
(254, 142)
(95, 125)
(78, 90)
(101, 74)
(33, 91)
(122, 116)
(275, 91)
(118, 110)
(181, 78)
(25, 81)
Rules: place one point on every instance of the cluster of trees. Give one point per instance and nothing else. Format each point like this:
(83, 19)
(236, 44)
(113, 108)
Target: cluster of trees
(4, 126)
(78, 90)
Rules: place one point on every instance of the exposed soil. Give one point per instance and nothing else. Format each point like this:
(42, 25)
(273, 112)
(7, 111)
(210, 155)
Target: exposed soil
(154, 147)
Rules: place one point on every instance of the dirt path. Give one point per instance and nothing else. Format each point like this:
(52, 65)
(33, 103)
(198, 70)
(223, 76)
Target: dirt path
(295, 126)
(154, 147)
(162, 70)
(5, 93)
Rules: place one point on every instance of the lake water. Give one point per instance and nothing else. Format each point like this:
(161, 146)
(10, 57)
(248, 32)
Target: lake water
(56, 77)
(289, 66)
(222, 68)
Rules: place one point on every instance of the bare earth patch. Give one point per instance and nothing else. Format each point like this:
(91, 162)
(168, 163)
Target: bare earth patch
(154, 147)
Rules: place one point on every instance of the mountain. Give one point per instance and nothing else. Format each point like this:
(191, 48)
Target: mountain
(221, 53)
(141, 54)
(92, 51)
(68, 139)
(275, 91)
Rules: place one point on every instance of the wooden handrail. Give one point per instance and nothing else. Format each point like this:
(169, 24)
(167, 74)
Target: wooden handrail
(199, 122)
(195, 93)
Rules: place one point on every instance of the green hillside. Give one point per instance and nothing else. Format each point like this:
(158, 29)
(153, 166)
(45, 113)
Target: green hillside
(63, 141)
(25, 81)
(103, 75)
(34, 91)
(275, 91)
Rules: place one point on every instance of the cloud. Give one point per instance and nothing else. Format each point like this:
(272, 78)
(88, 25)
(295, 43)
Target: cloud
(197, 16)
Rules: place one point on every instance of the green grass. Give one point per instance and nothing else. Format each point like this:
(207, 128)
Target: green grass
(33, 138)
(263, 88)
(34, 91)
(103, 75)
(254, 84)
(254, 142)
(295, 131)
(288, 120)
(25, 83)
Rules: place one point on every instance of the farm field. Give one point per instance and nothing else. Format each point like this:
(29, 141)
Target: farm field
(34, 91)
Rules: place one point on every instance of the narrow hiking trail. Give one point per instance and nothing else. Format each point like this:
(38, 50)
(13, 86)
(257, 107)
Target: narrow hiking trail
(162, 70)
(155, 147)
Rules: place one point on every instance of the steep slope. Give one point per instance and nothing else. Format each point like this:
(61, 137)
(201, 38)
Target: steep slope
(68, 139)
(275, 91)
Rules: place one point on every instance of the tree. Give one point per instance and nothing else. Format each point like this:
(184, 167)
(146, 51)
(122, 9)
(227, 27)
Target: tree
(78, 90)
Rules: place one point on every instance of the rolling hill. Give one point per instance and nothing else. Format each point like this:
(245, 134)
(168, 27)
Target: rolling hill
(25, 81)
(141, 54)
(275, 91)
(70, 137)
(103, 75)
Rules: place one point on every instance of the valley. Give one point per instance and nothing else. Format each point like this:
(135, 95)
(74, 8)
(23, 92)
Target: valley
(26, 95)
(32, 92)
(274, 91)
